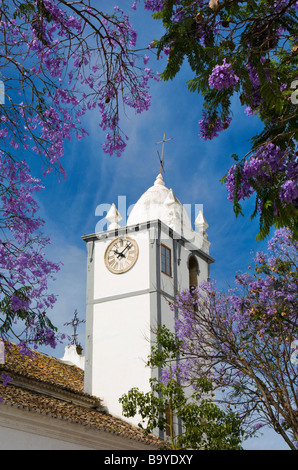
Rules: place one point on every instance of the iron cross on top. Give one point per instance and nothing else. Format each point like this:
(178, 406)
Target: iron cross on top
(163, 146)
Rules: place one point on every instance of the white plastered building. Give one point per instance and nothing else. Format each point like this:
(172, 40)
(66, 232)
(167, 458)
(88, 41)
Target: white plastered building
(133, 273)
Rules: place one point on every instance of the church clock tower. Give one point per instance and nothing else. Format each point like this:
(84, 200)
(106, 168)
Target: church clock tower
(133, 273)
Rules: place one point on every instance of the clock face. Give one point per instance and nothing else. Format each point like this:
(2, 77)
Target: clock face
(121, 255)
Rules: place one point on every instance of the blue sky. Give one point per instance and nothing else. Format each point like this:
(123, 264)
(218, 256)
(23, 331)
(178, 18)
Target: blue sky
(193, 170)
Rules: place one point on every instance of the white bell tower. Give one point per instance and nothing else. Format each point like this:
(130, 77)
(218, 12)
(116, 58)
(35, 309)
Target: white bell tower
(133, 272)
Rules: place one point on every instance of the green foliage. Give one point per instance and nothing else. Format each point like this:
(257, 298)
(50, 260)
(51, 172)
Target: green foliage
(259, 39)
(204, 424)
(10, 317)
(8, 314)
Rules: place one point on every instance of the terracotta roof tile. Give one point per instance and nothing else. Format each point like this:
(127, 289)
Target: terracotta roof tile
(51, 372)
(44, 368)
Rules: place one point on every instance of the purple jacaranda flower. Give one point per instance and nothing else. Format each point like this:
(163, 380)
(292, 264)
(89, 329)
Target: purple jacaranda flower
(223, 76)
(6, 379)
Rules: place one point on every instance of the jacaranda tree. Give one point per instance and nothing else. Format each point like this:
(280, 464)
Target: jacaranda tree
(61, 59)
(249, 50)
(245, 340)
(189, 417)
(58, 60)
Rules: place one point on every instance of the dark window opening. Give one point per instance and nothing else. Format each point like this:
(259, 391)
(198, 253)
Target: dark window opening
(193, 272)
(166, 260)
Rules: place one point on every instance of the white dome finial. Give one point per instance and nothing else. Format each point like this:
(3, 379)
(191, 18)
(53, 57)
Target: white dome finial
(201, 222)
(114, 217)
(159, 180)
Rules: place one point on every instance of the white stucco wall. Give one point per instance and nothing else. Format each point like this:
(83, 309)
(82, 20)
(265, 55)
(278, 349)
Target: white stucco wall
(21, 429)
(15, 439)
(123, 309)
(121, 346)
(108, 284)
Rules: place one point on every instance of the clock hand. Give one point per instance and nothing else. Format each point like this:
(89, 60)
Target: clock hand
(119, 254)
(127, 246)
